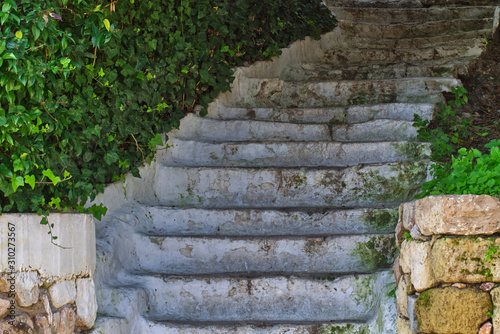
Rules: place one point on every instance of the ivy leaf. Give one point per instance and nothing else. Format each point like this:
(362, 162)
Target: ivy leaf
(111, 157)
(106, 24)
(30, 179)
(156, 141)
(4, 171)
(54, 179)
(17, 182)
(18, 165)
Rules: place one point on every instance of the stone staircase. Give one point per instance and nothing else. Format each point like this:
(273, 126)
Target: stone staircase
(275, 213)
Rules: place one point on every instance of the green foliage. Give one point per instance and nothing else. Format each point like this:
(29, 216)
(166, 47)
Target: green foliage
(470, 173)
(449, 130)
(87, 86)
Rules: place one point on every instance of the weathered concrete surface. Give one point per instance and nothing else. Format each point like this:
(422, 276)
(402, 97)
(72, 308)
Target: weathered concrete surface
(457, 215)
(261, 299)
(204, 256)
(167, 221)
(467, 307)
(413, 15)
(333, 115)
(268, 187)
(376, 71)
(277, 93)
(206, 130)
(39, 254)
(291, 154)
(425, 29)
(468, 48)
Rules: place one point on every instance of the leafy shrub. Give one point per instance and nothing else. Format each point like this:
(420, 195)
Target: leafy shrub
(470, 173)
(448, 130)
(86, 87)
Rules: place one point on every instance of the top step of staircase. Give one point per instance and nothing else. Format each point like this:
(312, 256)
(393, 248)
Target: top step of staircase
(408, 3)
(412, 15)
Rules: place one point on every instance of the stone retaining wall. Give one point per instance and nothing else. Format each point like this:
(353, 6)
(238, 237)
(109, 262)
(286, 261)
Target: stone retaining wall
(448, 270)
(47, 287)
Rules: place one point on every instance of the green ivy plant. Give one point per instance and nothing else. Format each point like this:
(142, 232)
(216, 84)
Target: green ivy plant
(470, 173)
(88, 86)
(449, 130)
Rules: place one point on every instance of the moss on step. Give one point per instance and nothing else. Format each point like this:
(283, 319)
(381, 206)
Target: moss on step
(413, 151)
(376, 253)
(381, 220)
(399, 188)
(345, 329)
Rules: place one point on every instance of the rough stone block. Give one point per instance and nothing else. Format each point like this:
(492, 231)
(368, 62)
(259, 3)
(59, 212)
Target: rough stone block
(412, 299)
(407, 215)
(465, 260)
(422, 275)
(452, 311)
(402, 299)
(86, 303)
(396, 268)
(64, 321)
(4, 307)
(27, 291)
(495, 297)
(62, 293)
(405, 256)
(458, 215)
(403, 326)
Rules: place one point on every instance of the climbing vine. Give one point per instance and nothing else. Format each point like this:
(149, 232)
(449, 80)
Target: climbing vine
(87, 87)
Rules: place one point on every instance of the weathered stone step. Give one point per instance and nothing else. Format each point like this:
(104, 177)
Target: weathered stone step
(387, 56)
(166, 328)
(168, 221)
(253, 92)
(210, 130)
(322, 71)
(427, 29)
(332, 115)
(278, 300)
(211, 187)
(407, 3)
(258, 256)
(386, 16)
(299, 154)
(451, 38)
(206, 129)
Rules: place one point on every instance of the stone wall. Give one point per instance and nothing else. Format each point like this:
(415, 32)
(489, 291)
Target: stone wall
(47, 287)
(448, 270)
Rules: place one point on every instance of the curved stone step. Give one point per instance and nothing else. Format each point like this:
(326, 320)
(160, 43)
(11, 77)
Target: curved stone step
(331, 115)
(285, 187)
(388, 56)
(322, 71)
(407, 3)
(206, 129)
(166, 328)
(278, 300)
(258, 255)
(168, 221)
(452, 38)
(294, 154)
(385, 16)
(256, 93)
(426, 29)
(210, 130)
